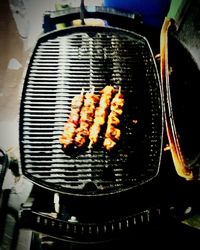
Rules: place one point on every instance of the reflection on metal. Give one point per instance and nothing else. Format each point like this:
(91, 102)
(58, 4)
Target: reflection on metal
(177, 156)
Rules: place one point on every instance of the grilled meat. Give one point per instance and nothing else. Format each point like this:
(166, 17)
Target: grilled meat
(71, 124)
(86, 118)
(113, 133)
(100, 114)
(109, 143)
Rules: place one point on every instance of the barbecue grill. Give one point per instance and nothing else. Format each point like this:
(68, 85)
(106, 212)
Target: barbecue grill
(63, 63)
(80, 191)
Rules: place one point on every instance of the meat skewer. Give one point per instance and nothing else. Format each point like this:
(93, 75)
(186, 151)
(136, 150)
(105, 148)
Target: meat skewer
(113, 133)
(71, 124)
(86, 118)
(100, 114)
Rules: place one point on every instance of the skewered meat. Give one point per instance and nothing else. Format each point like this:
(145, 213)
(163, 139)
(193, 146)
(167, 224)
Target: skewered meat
(86, 118)
(109, 143)
(71, 124)
(113, 133)
(101, 114)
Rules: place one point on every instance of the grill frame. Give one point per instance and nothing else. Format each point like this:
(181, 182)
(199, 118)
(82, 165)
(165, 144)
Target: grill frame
(88, 232)
(91, 30)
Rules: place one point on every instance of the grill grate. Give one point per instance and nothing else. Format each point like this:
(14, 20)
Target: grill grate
(62, 64)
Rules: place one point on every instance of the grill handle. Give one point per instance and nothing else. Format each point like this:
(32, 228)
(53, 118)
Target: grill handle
(112, 16)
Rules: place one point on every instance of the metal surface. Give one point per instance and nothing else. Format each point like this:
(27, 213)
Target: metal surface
(181, 166)
(185, 100)
(63, 63)
(75, 231)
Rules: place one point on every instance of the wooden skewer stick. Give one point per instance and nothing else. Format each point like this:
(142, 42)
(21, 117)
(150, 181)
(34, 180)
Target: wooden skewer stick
(92, 90)
(90, 145)
(82, 91)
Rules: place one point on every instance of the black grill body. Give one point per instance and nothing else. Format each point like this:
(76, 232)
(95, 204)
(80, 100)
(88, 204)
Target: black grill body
(62, 64)
(100, 197)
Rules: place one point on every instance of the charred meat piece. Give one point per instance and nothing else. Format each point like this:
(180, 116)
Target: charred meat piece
(86, 118)
(72, 122)
(101, 114)
(113, 133)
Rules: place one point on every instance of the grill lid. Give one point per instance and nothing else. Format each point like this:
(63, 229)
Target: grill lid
(63, 62)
